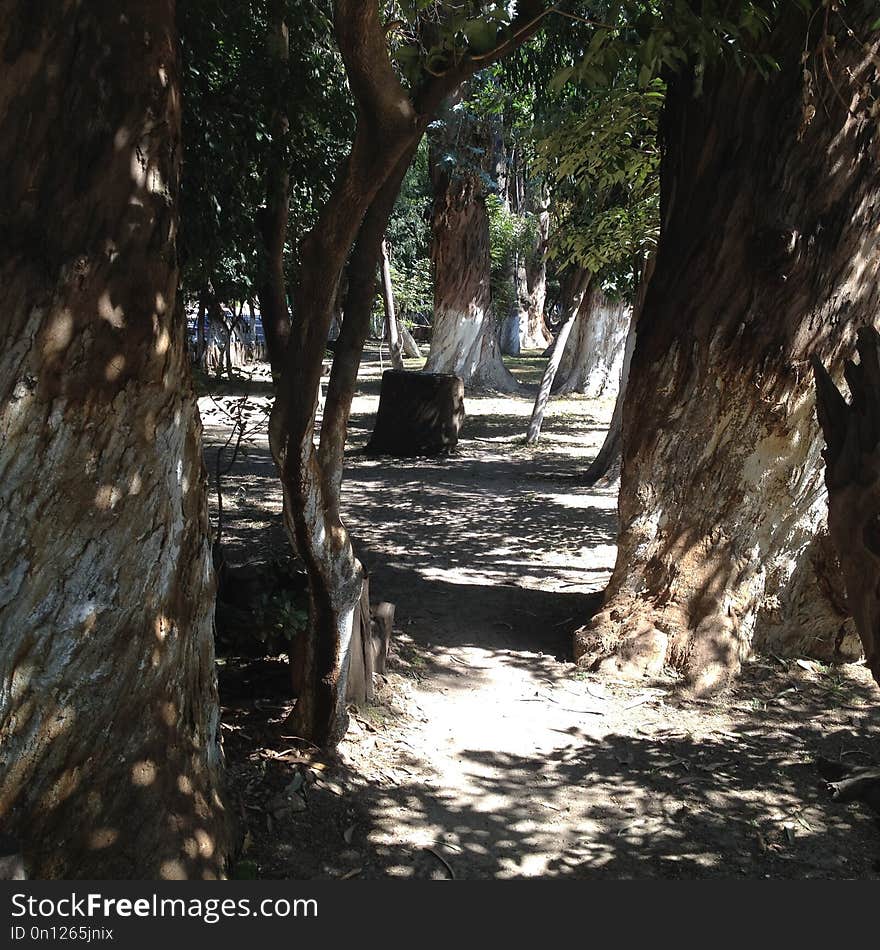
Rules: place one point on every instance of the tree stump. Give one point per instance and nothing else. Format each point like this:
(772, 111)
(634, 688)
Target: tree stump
(419, 414)
(370, 642)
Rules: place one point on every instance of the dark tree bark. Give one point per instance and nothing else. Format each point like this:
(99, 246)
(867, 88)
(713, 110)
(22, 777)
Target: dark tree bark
(389, 127)
(852, 474)
(575, 294)
(274, 217)
(465, 339)
(110, 761)
(770, 223)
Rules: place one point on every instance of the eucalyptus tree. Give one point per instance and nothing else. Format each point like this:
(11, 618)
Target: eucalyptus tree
(770, 210)
(110, 761)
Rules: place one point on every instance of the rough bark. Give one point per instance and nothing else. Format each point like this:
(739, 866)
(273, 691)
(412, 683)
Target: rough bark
(575, 294)
(273, 218)
(465, 340)
(852, 474)
(767, 255)
(534, 334)
(392, 332)
(110, 762)
(593, 356)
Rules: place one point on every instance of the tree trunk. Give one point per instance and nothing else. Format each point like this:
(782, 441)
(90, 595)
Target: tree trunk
(273, 218)
(465, 341)
(201, 336)
(110, 760)
(767, 255)
(575, 294)
(593, 356)
(605, 467)
(852, 474)
(419, 414)
(391, 330)
(534, 334)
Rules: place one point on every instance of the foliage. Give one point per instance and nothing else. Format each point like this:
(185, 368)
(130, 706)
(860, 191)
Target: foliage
(604, 163)
(229, 91)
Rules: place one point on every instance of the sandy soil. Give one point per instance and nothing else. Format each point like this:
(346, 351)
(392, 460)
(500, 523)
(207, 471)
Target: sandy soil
(489, 755)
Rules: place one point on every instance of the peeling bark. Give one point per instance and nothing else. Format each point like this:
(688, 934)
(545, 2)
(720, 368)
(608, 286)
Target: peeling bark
(575, 293)
(593, 356)
(767, 255)
(110, 761)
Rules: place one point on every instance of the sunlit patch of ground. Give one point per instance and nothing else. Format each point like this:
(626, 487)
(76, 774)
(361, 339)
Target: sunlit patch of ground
(489, 755)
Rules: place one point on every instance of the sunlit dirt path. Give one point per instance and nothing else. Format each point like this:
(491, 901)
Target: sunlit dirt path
(489, 755)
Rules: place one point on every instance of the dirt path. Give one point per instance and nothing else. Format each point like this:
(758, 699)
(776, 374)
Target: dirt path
(489, 755)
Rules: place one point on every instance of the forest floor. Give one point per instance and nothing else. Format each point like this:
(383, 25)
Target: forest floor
(488, 754)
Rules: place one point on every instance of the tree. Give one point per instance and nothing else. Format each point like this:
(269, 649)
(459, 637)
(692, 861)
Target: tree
(110, 762)
(393, 111)
(769, 220)
(604, 169)
(592, 360)
(574, 292)
(465, 340)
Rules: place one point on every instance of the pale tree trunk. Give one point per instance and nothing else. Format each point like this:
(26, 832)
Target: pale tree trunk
(605, 467)
(465, 340)
(110, 760)
(593, 356)
(391, 330)
(273, 218)
(575, 294)
(201, 338)
(767, 255)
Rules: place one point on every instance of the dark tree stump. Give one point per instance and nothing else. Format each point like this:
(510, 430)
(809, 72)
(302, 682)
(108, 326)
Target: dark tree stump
(419, 414)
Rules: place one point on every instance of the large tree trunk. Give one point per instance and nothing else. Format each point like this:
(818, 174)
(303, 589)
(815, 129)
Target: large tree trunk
(575, 293)
(534, 334)
(767, 254)
(465, 339)
(273, 218)
(852, 474)
(593, 356)
(110, 762)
